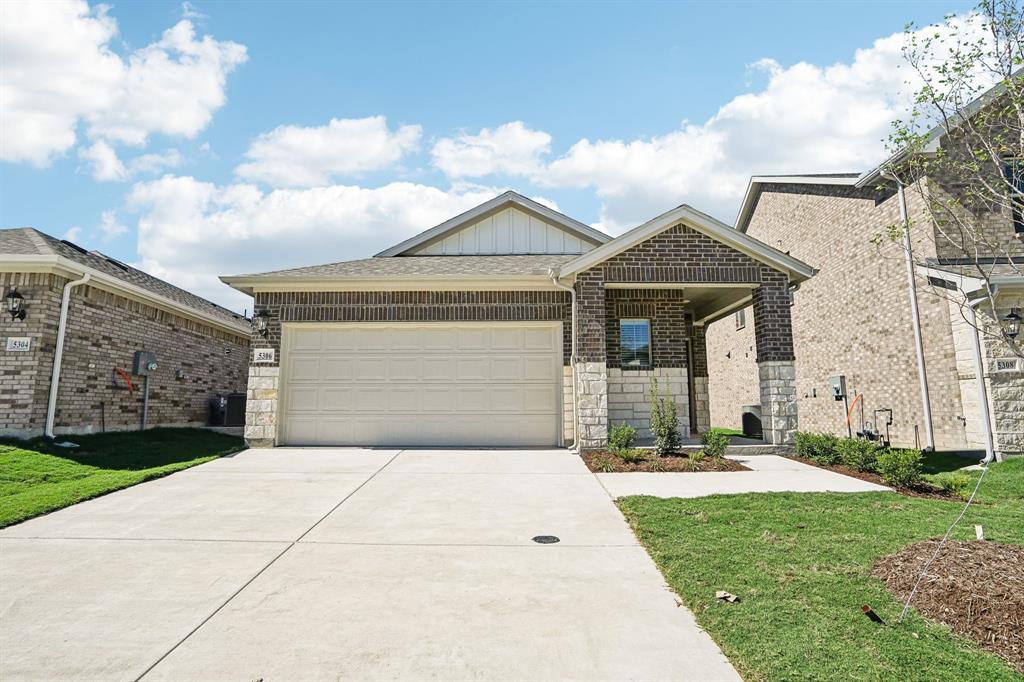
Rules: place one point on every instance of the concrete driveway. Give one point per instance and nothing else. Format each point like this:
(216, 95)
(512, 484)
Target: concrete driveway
(316, 564)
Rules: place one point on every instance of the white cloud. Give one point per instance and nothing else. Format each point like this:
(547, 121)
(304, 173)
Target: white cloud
(296, 156)
(106, 166)
(511, 148)
(73, 234)
(110, 226)
(58, 70)
(190, 231)
(805, 119)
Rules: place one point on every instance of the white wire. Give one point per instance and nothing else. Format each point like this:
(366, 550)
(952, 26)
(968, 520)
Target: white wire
(906, 606)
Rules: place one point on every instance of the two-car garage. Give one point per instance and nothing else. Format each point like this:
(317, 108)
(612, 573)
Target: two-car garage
(421, 384)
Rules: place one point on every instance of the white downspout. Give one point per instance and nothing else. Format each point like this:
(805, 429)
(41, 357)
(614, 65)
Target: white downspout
(553, 274)
(58, 355)
(915, 317)
(979, 378)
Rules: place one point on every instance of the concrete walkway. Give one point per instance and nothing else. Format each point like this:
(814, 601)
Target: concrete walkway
(322, 564)
(770, 474)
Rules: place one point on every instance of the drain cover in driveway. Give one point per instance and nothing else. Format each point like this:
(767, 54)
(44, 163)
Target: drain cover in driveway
(545, 539)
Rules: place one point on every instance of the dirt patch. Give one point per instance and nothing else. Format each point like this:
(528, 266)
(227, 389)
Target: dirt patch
(974, 588)
(603, 461)
(923, 489)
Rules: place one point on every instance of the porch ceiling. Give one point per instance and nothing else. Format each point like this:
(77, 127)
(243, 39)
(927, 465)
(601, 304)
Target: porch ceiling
(708, 302)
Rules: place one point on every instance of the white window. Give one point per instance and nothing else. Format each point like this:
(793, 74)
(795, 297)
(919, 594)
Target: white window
(741, 319)
(635, 343)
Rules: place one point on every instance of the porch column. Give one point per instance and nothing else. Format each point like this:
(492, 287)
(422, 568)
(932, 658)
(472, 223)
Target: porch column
(773, 331)
(591, 360)
(701, 398)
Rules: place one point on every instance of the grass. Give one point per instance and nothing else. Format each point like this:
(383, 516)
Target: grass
(801, 565)
(938, 462)
(37, 477)
(725, 431)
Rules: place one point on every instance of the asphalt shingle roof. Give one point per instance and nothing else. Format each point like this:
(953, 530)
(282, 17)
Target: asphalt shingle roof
(426, 266)
(31, 242)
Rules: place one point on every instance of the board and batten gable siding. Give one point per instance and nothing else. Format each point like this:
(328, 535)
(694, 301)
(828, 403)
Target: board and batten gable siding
(509, 231)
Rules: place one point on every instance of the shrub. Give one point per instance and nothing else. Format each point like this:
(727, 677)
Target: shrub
(714, 444)
(954, 483)
(630, 454)
(664, 422)
(858, 454)
(817, 447)
(900, 468)
(696, 456)
(621, 438)
(604, 464)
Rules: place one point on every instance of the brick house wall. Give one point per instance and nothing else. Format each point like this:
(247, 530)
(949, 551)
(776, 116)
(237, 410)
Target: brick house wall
(103, 331)
(851, 318)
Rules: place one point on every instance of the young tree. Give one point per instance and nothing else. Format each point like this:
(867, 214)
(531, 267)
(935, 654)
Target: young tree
(961, 150)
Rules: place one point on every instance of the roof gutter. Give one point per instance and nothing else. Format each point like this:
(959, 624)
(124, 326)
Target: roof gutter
(553, 274)
(58, 356)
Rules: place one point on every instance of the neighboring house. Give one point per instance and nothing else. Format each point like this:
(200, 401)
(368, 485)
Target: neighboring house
(113, 310)
(469, 333)
(855, 319)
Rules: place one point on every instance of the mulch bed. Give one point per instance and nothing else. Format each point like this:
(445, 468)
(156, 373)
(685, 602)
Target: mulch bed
(670, 463)
(974, 588)
(925, 490)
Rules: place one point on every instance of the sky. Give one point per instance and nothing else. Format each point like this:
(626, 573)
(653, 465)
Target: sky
(206, 138)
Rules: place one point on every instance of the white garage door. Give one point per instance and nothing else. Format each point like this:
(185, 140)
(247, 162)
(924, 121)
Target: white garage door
(471, 384)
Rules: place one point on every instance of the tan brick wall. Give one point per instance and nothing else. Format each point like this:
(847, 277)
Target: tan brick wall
(104, 331)
(851, 318)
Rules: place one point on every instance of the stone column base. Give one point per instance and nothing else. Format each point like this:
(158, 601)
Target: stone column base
(701, 404)
(778, 400)
(592, 404)
(261, 407)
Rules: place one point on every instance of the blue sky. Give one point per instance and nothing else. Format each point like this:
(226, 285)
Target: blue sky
(610, 112)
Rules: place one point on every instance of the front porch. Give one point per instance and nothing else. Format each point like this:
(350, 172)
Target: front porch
(641, 316)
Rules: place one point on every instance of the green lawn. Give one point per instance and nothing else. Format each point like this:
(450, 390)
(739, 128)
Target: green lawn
(801, 565)
(37, 477)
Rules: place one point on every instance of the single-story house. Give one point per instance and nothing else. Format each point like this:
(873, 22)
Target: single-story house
(513, 325)
(86, 315)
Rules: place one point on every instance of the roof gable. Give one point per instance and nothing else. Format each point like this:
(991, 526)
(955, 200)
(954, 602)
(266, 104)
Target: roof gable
(686, 215)
(509, 224)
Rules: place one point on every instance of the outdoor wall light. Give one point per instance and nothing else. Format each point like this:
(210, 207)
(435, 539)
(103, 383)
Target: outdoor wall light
(259, 322)
(1011, 324)
(16, 305)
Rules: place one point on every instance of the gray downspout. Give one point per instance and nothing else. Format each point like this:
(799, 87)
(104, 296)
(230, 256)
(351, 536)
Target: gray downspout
(979, 378)
(553, 274)
(58, 356)
(915, 318)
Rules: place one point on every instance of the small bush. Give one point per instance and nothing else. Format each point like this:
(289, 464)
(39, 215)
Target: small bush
(954, 483)
(621, 438)
(656, 465)
(664, 422)
(817, 447)
(900, 468)
(604, 464)
(696, 456)
(630, 454)
(714, 444)
(858, 454)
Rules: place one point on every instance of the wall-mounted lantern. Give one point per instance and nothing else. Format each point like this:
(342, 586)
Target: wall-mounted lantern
(16, 305)
(260, 321)
(1011, 324)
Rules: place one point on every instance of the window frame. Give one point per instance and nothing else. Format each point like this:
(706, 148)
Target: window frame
(1013, 175)
(646, 322)
(741, 318)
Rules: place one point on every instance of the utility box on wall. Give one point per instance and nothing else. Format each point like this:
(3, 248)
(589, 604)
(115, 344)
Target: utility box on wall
(837, 386)
(144, 363)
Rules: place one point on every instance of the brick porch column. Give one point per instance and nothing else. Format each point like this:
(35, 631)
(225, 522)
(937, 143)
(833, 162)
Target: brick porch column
(591, 360)
(701, 398)
(773, 331)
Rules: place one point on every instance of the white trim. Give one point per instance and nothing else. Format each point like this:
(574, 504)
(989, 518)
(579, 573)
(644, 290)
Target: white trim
(507, 199)
(60, 265)
(681, 285)
(703, 223)
(250, 285)
(754, 190)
